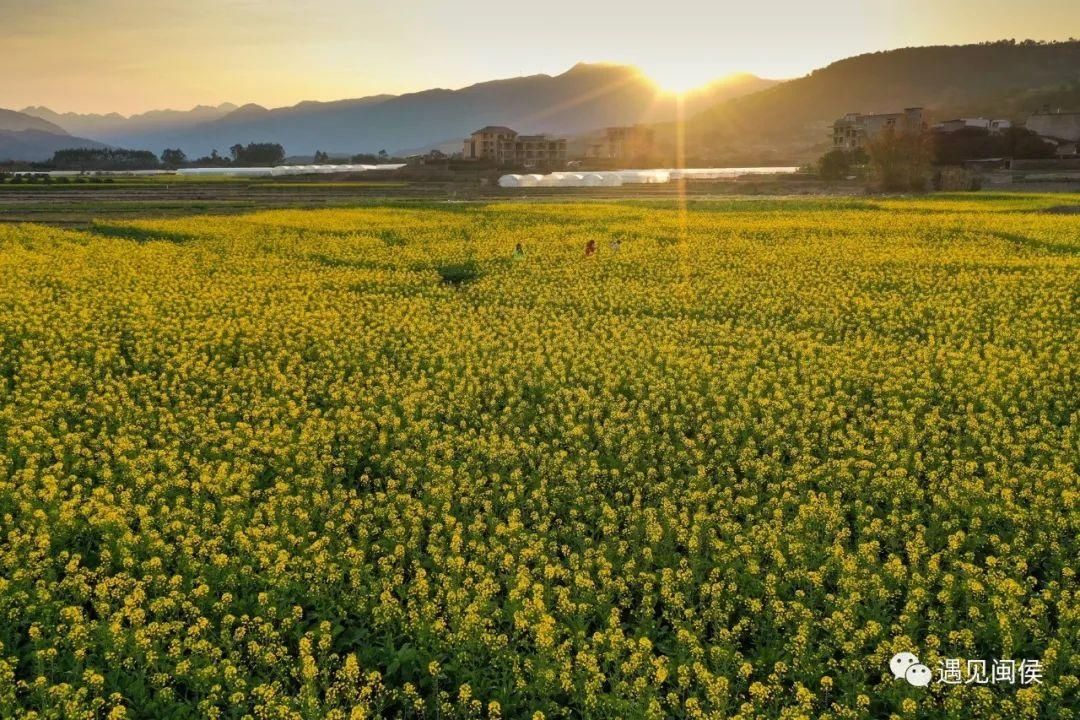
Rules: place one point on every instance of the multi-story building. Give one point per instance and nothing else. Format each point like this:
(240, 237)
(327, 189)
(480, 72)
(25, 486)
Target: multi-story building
(1064, 126)
(622, 143)
(996, 125)
(504, 146)
(493, 142)
(854, 130)
(533, 150)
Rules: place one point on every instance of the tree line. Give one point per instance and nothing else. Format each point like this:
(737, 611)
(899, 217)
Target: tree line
(250, 155)
(898, 161)
(257, 154)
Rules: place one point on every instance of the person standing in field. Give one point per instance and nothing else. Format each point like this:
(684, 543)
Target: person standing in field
(590, 248)
(615, 245)
(519, 252)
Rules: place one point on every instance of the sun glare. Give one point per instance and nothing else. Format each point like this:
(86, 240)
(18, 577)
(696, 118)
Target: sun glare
(680, 78)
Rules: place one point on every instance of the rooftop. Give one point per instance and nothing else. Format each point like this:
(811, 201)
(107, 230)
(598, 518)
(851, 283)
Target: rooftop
(488, 129)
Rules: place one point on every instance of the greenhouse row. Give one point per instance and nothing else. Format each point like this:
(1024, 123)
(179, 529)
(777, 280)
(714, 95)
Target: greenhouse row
(219, 171)
(616, 178)
(286, 170)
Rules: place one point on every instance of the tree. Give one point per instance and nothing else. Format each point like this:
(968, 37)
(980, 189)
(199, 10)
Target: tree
(900, 161)
(211, 160)
(372, 158)
(953, 148)
(1025, 144)
(321, 158)
(103, 159)
(258, 153)
(837, 164)
(174, 157)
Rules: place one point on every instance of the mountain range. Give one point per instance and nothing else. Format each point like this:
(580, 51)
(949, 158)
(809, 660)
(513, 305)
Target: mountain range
(25, 137)
(584, 98)
(114, 127)
(740, 118)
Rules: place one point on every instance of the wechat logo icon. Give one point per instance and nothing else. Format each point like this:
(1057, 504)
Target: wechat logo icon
(905, 665)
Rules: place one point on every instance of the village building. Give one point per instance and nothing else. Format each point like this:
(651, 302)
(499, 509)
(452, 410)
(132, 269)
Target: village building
(1061, 129)
(1061, 126)
(855, 130)
(622, 143)
(1067, 150)
(992, 126)
(501, 145)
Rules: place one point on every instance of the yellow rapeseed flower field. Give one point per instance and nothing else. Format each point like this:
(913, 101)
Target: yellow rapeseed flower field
(363, 463)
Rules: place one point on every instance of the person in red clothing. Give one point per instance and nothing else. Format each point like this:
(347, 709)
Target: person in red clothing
(590, 248)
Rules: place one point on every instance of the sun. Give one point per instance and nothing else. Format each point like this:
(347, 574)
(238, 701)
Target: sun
(679, 78)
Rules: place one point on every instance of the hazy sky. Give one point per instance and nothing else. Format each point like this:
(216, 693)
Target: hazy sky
(135, 55)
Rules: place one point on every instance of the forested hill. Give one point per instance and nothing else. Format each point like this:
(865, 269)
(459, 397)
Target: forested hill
(1004, 79)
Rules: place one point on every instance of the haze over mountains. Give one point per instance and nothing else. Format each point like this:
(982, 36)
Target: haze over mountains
(25, 137)
(17, 122)
(113, 127)
(581, 99)
(741, 117)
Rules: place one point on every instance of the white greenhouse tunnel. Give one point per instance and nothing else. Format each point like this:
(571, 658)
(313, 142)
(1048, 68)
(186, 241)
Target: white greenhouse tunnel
(281, 170)
(276, 171)
(615, 178)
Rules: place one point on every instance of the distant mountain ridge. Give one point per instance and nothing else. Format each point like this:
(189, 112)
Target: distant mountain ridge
(37, 145)
(28, 138)
(17, 122)
(585, 97)
(114, 127)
